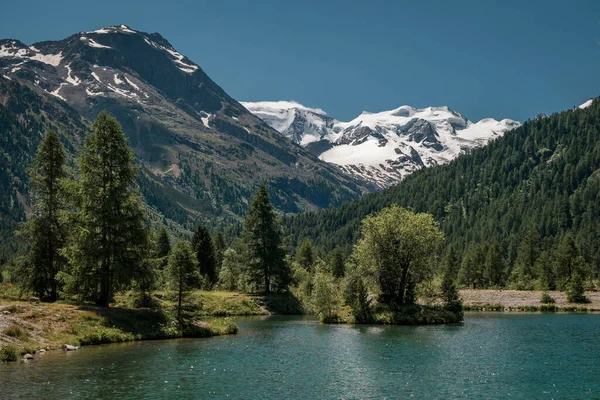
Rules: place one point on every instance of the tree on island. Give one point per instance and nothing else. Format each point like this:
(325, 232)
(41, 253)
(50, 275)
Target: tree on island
(264, 250)
(203, 247)
(183, 273)
(109, 235)
(394, 249)
(45, 230)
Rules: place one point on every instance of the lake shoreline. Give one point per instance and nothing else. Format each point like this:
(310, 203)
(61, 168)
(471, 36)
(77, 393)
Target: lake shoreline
(524, 301)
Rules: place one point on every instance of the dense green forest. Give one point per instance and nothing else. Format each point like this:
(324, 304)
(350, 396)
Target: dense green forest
(522, 211)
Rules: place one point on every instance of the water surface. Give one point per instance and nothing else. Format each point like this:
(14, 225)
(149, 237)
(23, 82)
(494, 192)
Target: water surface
(525, 356)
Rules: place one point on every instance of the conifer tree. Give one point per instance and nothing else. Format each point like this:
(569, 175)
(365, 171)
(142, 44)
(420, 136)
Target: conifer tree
(163, 243)
(182, 271)
(110, 236)
(45, 230)
(205, 254)
(220, 247)
(305, 255)
(336, 263)
(264, 251)
(494, 266)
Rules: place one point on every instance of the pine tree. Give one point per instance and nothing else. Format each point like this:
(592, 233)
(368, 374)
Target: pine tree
(205, 254)
(45, 231)
(182, 271)
(305, 255)
(110, 236)
(336, 263)
(264, 249)
(567, 260)
(494, 266)
(220, 247)
(450, 296)
(163, 243)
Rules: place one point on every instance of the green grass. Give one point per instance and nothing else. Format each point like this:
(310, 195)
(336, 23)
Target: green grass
(8, 354)
(415, 314)
(16, 332)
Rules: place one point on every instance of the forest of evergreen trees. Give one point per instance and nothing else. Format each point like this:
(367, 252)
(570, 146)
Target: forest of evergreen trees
(521, 212)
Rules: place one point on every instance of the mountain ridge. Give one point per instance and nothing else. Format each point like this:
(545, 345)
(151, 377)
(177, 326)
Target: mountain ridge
(385, 146)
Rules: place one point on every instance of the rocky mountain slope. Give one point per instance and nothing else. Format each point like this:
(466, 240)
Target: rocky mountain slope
(381, 147)
(202, 153)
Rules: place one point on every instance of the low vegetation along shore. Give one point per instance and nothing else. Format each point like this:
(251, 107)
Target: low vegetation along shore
(27, 327)
(526, 300)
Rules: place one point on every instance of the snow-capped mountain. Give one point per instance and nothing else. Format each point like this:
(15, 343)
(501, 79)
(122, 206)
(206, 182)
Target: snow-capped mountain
(381, 147)
(201, 152)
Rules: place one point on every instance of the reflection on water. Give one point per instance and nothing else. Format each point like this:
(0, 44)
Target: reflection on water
(489, 356)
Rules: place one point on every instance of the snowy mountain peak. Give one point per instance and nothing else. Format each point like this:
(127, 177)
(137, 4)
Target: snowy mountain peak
(114, 29)
(382, 147)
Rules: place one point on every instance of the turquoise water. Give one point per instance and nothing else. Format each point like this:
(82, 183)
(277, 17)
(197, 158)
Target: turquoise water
(526, 356)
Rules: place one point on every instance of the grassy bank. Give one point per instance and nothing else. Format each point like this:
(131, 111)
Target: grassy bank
(26, 327)
(525, 300)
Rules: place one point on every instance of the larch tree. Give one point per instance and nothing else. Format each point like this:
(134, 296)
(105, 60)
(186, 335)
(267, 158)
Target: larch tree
(45, 230)
(182, 271)
(110, 234)
(305, 255)
(264, 250)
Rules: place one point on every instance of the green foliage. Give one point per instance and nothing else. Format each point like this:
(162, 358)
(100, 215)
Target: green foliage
(163, 243)
(305, 256)
(450, 296)
(575, 290)
(45, 230)
(504, 192)
(8, 354)
(233, 275)
(205, 254)
(109, 234)
(395, 246)
(264, 250)
(357, 297)
(547, 299)
(220, 247)
(183, 274)
(325, 295)
(16, 332)
(337, 264)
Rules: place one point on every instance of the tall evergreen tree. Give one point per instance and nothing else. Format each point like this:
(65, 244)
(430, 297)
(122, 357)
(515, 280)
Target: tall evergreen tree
(182, 271)
(220, 247)
(205, 254)
(163, 243)
(45, 231)
(337, 264)
(264, 251)
(305, 255)
(110, 236)
(494, 266)
(568, 260)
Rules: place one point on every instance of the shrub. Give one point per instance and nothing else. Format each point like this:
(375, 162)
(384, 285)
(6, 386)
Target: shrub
(575, 290)
(8, 353)
(547, 299)
(16, 332)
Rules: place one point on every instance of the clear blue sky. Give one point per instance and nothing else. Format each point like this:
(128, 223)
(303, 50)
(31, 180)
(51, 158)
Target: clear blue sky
(501, 59)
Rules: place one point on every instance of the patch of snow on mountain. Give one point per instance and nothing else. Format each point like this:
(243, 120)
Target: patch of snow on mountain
(29, 54)
(96, 77)
(205, 120)
(93, 43)
(75, 81)
(586, 104)
(56, 92)
(117, 80)
(133, 85)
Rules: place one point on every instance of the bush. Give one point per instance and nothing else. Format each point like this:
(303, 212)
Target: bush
(547, 299)
(16, 332)
(8, 353)
(575, 290)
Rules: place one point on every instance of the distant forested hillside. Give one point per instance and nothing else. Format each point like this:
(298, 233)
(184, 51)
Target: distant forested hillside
(524, 200)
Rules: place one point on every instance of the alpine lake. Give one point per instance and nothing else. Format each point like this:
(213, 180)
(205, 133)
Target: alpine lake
(489, 355)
